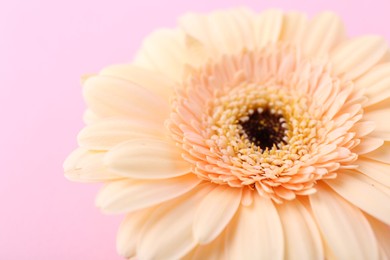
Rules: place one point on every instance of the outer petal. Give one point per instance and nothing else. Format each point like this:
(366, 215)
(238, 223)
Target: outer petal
(376, 83)
(151, 80)
(87, 166)
(294, 26)
(129, 232)
(344, 227)
(381, 154)
(107, 96)
(109, 132)
(215, 212)
(267, 27)
(382, 232)
(301, 234)
(164, 52)
(212, 251)
(324, 32)
(168, 233)
(147, 159)
(132, 195)
(363, 192)
(375, 170)
(354, 57)
(255, 233)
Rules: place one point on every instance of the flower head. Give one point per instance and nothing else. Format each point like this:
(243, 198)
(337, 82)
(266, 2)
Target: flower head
(244, 136)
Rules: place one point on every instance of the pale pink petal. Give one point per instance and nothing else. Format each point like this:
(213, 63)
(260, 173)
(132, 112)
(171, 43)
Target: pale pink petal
(131, 195)
(215, 212)
(294, 26)
(109, 132)
(323, 32)
(129, 231)
(354, 57)
(375, 170)
(301, 234)
(344, 227)
(368, 144)
(107, 96)
(376, 84)
(169, 232)
(147, 159)
(267, 27)
(255, 233)
(382, 233)
(382, 154)
(151, 80)
(87, 166)
(164, 52)
(363, 192)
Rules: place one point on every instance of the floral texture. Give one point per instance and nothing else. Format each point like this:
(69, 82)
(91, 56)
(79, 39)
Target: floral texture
(244, 136)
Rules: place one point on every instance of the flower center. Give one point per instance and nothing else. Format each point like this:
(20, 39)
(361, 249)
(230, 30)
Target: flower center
(265, 128)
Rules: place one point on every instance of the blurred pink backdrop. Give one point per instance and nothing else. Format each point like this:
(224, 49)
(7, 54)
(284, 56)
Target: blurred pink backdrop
(45, 46)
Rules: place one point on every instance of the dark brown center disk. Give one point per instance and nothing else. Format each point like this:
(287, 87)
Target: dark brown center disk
(264, 129)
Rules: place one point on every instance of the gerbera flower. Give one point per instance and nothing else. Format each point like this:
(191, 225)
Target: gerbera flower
(244, 136)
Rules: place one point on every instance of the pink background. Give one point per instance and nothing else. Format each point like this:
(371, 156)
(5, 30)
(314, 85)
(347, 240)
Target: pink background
(44, 48)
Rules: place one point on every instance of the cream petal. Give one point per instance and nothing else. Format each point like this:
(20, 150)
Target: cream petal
(212, 251)
(215, 212)
(267, 27)
(169, 229)
(368, 144)
(107, 96)
(324, 32)
(255, 232)
(375, 170)
(354, 57)
(382, 154)
(151, 80)
(129, 231)
(90, 117)
(382, 233)
(294, 26)
(376, 83)
(109, 132)
(147, 159)
(363, 192)
(131, 195)
(344, 227)
(87, 166)
(302, 238)
(163, 51)
(379, 116)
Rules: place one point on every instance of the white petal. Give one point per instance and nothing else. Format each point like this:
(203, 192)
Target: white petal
(147, 159)
(87, 166)
(215, 212)
(294, 26)
(151, 80)
(255, 233)
(267, 27)
(323, 32)
(129, 232)
(382, 232)
(381, 154)
(109, 132)
(344, 227)
(376, 83)
(302, 238)
(132, 195)
(354, 57)
(375, 170)
(168, 232)
(107, 96)
(363, 192)
(163, 51)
